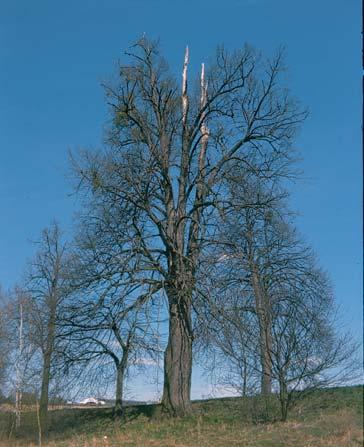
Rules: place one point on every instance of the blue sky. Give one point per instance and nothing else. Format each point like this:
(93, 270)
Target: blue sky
(53, 56)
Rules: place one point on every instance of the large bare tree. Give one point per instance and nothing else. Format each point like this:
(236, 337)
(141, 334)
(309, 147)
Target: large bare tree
(167, 153)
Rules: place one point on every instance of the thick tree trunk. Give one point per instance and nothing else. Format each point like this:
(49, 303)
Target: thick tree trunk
(120, 374)
(178, 357)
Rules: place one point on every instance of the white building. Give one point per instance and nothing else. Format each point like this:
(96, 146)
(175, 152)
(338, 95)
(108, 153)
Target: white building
(92, 401)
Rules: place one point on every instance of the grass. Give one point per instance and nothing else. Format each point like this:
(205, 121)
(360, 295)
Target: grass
(326, 418)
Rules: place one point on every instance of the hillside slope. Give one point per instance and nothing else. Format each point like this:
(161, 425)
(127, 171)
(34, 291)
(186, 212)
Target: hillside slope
(331, 417)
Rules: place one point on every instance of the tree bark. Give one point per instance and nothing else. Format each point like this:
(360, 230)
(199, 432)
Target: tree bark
(283, 397)
(19, 372)
(178, 356)
(120, 374)
(265, 342)
(44, 394)
(245, 378)
(266, 383)
(46, 373)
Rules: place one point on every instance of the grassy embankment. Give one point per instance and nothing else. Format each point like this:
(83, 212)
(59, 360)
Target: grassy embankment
(327, 418)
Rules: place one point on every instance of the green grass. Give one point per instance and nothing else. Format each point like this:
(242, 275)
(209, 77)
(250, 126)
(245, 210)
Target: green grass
(330, 417)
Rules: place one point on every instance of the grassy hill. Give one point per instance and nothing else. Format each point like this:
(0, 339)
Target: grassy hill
(332, 417)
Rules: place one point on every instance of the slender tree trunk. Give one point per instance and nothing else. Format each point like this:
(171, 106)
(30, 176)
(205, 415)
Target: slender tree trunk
(283, 398)
(245, 377)
(178, 356)
(266, 383)
(265, 342)
(19, 372)
(120, 374)
(39, 426)
(46, 373)
(18, 400)
(44, 394)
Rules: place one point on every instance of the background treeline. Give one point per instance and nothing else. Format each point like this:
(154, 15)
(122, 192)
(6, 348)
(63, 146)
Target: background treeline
(184, 231)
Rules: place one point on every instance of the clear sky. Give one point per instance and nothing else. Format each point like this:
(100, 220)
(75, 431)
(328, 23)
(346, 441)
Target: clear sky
(53, 56)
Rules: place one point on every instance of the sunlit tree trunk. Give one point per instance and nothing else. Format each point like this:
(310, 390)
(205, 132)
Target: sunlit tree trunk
(19, 372)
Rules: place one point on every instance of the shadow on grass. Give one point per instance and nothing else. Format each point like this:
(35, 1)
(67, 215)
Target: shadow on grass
(66, 422)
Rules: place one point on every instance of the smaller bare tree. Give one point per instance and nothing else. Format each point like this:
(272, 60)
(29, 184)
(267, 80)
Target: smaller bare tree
(106, 317)
(45, 284)
(98, 333)
(307, 350)
(21, 351)
(265, 290)
(226, 347)
(4, 338)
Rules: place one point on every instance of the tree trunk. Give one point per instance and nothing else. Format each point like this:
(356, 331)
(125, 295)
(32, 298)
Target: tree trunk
(47, 361)
(245, 377)
(44, 394)
(19, 371)
(178, 356)
(18, 400)
(265, 342)
(283, 398)
(120, 374)
(266, 382)
(46, 373)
